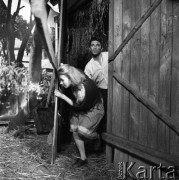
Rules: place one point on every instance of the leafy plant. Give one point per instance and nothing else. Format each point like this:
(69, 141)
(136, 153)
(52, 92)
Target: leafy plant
(13, 79)
(45, 82)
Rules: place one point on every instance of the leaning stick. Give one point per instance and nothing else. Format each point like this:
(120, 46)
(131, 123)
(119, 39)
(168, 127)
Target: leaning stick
(39, 11)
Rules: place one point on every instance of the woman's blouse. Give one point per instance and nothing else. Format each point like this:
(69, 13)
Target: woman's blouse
(86, 95)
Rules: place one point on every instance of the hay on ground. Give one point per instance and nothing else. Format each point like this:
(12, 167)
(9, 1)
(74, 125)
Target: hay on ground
(29, 158)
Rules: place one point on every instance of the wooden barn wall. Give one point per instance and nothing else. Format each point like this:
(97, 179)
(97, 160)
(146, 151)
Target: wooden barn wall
(150, 63)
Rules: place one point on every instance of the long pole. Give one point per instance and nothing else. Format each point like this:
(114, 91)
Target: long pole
(56, 125)
(39, 10)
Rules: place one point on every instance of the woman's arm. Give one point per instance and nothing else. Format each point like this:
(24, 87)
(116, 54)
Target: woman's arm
(64, 97)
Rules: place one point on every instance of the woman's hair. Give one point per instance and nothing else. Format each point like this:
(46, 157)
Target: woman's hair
(75, 75)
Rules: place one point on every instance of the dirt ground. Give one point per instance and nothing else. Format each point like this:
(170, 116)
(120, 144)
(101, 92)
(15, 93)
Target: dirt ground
(29, 158)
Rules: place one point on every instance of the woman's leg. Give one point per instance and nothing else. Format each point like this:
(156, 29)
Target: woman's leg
(80, 144)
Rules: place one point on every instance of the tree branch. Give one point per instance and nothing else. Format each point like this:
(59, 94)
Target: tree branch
(17, 10)
(9, 9)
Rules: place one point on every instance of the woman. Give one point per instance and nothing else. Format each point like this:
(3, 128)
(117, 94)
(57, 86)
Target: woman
(87, 107)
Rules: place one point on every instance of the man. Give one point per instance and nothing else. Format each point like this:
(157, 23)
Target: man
(97, 70)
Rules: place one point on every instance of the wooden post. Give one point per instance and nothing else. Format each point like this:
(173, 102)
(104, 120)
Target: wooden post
(175, 76)
(109, 149)
(56, 19)
(40, 12)
(59, 56)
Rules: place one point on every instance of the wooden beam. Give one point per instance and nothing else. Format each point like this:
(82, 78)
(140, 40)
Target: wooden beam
(145, 153)
(135, 29)
(170, 122)
(56, 20)
(109, 150)
(59, 49)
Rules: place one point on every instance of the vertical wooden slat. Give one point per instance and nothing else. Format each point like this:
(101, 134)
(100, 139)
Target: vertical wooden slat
(125, 69)
(56, 143)
(144, 67)
(133, 78)
(154, 74)
(125, 72)
(174, 146)
(109, 149)
(120, 126)
(134, 127)
(134, 73)
(117, 68)
(165, 71)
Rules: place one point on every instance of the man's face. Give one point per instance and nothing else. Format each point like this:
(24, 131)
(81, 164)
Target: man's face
(95, 48)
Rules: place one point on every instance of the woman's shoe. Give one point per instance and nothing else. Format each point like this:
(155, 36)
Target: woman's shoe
(76, 161)
(79, 162)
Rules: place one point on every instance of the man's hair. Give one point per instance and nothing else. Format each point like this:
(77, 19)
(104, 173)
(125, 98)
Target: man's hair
(95, 39)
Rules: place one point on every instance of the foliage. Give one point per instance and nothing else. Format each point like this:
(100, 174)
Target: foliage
(21, 27)
(11, 26)
(45, 82)
(15, 80)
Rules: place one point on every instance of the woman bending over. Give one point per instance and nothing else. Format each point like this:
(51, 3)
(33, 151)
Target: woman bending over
(87, 105)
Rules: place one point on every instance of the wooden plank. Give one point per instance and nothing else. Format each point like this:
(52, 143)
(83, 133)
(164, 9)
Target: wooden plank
(135, 29)
(145, 153)
(174, 146)
(165, 73)
(109, 150)
(134, 81)
(56, 19)
(125, 71)
(134, 73)
(144, 66)
(57, 121)
(154, 74)
(143, 78)
(120, 127)
(116, 127)
(172, 123)
(124, 66)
